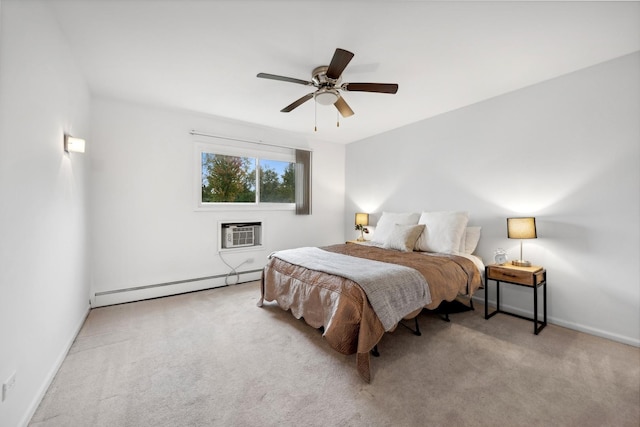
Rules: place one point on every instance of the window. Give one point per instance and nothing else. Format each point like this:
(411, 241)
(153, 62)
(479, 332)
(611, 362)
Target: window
(269, 177)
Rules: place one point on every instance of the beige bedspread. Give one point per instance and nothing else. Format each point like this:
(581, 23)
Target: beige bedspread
(340, 305)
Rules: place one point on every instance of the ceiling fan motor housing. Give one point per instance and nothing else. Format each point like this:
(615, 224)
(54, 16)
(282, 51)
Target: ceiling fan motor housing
(320, 78)
(326, 93)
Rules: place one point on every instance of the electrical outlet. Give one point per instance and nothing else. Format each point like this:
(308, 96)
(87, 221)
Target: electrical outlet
(8, 385)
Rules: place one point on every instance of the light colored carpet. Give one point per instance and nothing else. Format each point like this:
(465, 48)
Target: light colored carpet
(213, 358)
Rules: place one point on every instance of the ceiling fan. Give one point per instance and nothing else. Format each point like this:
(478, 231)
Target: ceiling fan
(327, 79)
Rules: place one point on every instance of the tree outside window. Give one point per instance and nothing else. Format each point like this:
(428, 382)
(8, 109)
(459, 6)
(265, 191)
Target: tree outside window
(232, 179)
(277, 182)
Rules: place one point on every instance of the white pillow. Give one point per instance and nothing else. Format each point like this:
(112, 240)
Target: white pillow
(443, 231)
(463, 243)
(385, 224)
(403, 237)
(470, 240)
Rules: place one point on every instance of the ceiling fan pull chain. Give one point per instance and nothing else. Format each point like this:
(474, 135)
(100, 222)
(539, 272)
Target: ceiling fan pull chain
(315, 117)
(337, 119)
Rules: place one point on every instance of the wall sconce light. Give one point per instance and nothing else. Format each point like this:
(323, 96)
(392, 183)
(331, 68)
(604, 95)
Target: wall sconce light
(73, 144)
(362, 220)
(521, 228)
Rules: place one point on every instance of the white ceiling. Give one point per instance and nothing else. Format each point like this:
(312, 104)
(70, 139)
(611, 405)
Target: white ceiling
(203, 55)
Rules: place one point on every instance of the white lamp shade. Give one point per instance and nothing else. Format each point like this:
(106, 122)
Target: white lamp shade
(326, 96)
(362, 219)
(521, 228)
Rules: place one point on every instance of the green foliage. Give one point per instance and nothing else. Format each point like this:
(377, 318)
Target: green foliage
(232, 179)
(362, 228)
(227, 179)
(289, 183)
(275, 188)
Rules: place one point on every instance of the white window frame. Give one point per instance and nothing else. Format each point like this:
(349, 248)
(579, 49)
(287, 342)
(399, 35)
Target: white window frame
(239, 149)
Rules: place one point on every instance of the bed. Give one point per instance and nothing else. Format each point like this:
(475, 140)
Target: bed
(335, 301)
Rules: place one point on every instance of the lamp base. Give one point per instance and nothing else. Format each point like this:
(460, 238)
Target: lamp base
(360, 239)
(521, 263)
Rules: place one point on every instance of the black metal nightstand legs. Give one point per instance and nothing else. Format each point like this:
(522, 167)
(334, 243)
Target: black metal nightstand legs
(537, 325)
(535, 310)
(488, 315)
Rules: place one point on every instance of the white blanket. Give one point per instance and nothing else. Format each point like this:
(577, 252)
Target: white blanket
(393, 290)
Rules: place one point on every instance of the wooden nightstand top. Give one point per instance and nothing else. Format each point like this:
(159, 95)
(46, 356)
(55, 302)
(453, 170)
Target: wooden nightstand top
(532, 269)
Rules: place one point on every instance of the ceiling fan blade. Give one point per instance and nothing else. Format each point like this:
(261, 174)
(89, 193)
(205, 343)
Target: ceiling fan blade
(343, 107)
(297, 103)
(284, 79)
(338, 63)
(371, 87)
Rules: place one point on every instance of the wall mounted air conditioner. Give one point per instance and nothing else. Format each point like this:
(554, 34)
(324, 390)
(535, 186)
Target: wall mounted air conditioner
(237, 235)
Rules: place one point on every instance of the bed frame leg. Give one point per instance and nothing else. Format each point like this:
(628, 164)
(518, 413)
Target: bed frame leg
(416, 329)
(375, 352)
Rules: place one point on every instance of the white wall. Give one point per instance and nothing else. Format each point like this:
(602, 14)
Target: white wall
(145, 230)
(566, 151)
(44, 292)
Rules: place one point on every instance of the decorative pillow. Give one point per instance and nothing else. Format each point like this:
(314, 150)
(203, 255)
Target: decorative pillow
(470, 240)
(403, 237)
(463, 243)
(443, 233)
(385, 224)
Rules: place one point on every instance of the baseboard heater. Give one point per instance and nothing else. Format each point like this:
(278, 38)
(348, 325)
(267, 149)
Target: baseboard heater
(114, 292)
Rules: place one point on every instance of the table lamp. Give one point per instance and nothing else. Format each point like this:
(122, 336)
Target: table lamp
(362, 220)
(521, 228)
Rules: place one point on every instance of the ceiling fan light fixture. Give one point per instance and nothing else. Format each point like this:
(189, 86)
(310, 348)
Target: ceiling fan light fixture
(326, 96)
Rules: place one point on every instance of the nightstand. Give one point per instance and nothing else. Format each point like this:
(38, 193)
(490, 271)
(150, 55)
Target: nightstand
(532, 277)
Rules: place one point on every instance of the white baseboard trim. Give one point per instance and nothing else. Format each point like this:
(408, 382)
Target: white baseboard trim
(596, 332)
(564, 323)
(120, 296)
(52, 372)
